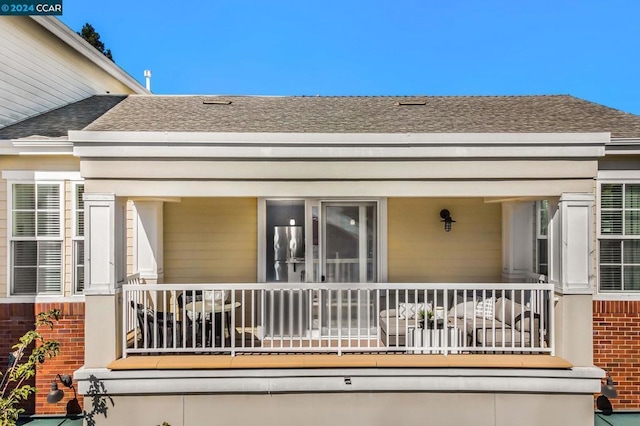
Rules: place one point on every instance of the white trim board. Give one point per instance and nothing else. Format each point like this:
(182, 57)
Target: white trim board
(584, 380)
(65, 34)
(32, 175)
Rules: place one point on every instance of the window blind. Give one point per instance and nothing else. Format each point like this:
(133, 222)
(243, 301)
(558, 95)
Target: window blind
(36, 246)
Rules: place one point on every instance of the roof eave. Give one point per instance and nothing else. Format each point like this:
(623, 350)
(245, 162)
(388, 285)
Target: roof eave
(42, 146)
(64, 33)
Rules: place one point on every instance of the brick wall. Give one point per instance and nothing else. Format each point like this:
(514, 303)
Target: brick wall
(15, 320)
(69, 331)
(18, 318)
(616, 348)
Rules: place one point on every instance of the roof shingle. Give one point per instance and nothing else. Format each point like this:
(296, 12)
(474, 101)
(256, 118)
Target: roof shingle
(377, 114)
(58, 122)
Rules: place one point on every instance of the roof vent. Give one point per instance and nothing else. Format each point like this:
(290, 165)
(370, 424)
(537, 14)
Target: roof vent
(404, 103)
(215, 102)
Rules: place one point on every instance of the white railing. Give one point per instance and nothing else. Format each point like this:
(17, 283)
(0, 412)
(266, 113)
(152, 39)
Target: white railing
(338, 318)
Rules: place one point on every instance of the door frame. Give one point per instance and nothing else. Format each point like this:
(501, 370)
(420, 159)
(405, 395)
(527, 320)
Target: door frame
(322, 252)
(310, 202)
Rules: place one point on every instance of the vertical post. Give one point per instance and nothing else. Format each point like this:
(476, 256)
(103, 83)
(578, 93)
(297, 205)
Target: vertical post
(148, 240)
(571, 237)
(105, 257)
(517, 240)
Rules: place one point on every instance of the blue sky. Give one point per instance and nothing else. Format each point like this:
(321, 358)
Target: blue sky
(586, 48)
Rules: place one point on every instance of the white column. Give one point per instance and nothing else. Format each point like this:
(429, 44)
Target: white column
(573, 248)
(148, 240)
(518, 234)
(105, 251)
(105, 265)
(571, 257)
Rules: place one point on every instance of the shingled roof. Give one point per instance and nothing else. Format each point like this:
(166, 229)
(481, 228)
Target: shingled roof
(58, 122)
(377, 114)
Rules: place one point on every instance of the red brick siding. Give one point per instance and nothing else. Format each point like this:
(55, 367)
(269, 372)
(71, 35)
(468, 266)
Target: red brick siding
(15, 320)
(18, 318)
(69, 331)
(616, 348)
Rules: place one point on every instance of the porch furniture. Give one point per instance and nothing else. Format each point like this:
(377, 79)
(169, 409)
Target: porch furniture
(185, 298)
(394, 323)
(212, 310)
(433, 341)
(511, 324)
(162, 322)
(393, 328)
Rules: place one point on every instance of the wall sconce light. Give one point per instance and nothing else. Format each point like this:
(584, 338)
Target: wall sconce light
(446, 218)
(608, 389)
(55, 395)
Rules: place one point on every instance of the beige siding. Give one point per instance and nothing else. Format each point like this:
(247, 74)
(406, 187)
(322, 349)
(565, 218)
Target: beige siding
(421, 251)
(35, 163)
(210, 240)
(40, 72)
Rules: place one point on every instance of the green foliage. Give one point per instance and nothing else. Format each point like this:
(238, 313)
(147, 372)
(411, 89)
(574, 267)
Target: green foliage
(93, 38)
(28, 355)
(421, 315)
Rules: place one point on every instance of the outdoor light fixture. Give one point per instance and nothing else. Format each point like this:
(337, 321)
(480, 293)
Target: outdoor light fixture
(57, 394)
(608, 389)
(446, 218)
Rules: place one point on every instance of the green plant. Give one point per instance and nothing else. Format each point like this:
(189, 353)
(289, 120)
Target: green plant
(421, 315)
(13, 386)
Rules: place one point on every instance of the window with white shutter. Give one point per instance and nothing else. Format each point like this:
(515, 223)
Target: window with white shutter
(78, 237)
(619, 237)
(37, 218)
(542, 223)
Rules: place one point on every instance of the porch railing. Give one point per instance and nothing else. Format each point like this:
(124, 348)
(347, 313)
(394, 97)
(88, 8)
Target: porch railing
(339, 317)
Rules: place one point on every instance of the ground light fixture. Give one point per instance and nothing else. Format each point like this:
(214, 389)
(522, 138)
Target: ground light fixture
(447, 219)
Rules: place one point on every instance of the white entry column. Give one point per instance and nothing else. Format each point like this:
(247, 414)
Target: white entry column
(105, 265)
(148, 240)
(517, 240)
(571, 270)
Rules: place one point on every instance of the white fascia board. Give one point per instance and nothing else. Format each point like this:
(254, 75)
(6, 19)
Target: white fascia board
(64, 33)
(36, 147)
(575, 381)
(623, 146)
(343, 138)
(619, 175)
(31, 175)
(336, 145)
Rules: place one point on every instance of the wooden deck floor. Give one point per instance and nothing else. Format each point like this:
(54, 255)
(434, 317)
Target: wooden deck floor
(254, 361)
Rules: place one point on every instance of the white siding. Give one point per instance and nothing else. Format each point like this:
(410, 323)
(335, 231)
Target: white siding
(39, 72)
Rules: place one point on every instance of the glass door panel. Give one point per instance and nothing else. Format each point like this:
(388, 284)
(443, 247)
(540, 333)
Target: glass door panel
(349, 255)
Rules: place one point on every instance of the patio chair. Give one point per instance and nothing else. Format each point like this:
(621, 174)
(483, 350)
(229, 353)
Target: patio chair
(164, 322)
(184, 299)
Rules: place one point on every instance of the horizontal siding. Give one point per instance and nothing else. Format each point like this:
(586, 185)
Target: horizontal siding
(40, 73)
(3, 238)
(45, 163)
(421, 251)
(210, 240)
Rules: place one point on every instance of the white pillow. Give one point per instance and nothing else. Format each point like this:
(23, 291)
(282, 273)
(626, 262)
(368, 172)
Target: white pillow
(464, 309)
(409, 310)
(484, 308)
